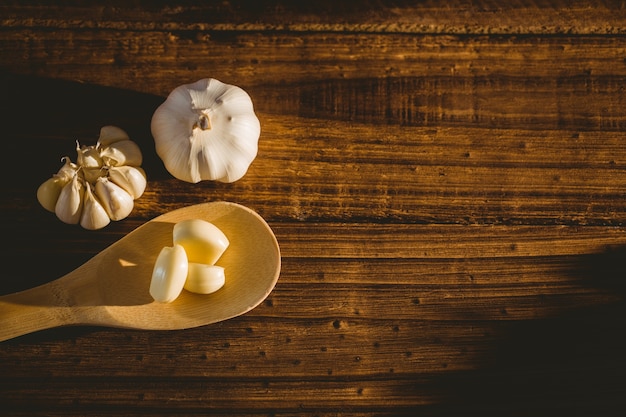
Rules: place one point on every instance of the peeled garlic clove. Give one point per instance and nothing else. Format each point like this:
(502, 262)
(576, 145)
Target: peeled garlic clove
(204, 279)
(93, 215)
(131, 179)
(115, 200)
(203, 241)
(169, 274)
(88, 156)
(70, 202)
(111, 134)
(124, 152)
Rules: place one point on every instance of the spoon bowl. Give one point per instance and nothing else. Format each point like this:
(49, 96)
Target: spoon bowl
(112, 288)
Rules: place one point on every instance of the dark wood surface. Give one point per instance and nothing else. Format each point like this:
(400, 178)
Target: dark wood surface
(446, 180)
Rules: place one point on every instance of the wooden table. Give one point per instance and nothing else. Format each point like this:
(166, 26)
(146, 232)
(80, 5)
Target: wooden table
(446, 181)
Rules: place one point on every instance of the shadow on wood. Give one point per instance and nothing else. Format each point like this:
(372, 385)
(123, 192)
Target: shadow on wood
(42, 119)
(564, 365)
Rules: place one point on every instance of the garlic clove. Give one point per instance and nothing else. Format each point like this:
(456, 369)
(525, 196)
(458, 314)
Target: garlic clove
(91, 175)
(88, 156)
(204, 279)
(111, 134)
(131, 179)
(68, 170)
(115, 200)
(203, 241)
(124, 152)
(49, 191)
(70, 202)
(93, 215)
(169, 274)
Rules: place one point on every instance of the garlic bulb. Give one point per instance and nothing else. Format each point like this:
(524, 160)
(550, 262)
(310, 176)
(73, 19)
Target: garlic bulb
(100, 186)
(206, 130)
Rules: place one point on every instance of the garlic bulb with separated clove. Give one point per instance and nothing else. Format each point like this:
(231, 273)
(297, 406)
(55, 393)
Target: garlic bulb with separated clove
(100, 186)
(206, 130)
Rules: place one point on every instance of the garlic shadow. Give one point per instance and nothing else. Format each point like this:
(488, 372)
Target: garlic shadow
(70, 110)
(43, 118)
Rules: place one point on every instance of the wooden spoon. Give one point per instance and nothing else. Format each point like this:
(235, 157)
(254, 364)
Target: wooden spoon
(112, 288)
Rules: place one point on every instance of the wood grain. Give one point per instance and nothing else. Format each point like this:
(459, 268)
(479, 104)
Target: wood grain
(445, 181)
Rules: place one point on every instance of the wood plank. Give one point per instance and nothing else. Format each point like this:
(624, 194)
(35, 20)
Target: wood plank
(157, 62)
(445, 180)
(485, 17)
(293, 348)
(217, 395)
(441, 241)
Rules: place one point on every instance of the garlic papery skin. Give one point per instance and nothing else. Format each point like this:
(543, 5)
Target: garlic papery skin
(204, 279)
(91, 175)
(93, 216)
(131, 179)
(70, 202)
(88, 157)
(109, 135)
(206, 130)
(49, 191)
(169, 274)
(115, 200)
(68, 169)
(123, 152)
(203, 241)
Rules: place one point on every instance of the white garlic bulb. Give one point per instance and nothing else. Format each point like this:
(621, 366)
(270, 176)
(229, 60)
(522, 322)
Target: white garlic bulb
(100, 186)
(206, 130)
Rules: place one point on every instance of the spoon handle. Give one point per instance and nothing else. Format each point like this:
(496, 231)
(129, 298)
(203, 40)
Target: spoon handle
(34, 309)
